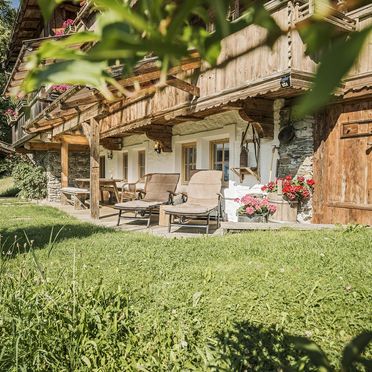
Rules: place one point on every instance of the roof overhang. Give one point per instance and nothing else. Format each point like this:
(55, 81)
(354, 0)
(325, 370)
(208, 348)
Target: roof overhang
(27, 26)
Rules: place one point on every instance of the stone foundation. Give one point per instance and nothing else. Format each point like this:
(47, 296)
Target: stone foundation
(51, 162)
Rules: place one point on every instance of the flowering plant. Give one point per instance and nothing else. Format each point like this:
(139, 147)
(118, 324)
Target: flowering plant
(66, 27)
(68, 23)
(11, 113)
(294, 189)
(59, 88)
(253, 206)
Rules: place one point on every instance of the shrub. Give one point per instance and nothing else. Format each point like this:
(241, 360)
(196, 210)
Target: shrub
(30, 180)
(7, 188)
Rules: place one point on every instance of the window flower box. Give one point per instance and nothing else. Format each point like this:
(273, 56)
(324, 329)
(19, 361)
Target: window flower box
(11, 115)
(56, 90)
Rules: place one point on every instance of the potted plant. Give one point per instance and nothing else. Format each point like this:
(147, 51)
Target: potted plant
(286, 194)
(67, 27)
(11, 115)
(56, 90)
(254, 209)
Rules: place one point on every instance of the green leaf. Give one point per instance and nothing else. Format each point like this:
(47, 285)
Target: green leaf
(76, 72)
(86, 361)
(353, 351)
(335, 64)
(122, 11)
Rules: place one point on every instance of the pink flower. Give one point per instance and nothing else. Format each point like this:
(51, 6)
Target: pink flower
(272, 208)
(59, 88)
(300, 179)
(67, 23)
(237, 200)
(59, 33)
(250, 211)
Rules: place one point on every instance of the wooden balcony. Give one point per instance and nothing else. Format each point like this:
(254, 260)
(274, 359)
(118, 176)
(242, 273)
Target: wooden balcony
(18, 133)
(247, 70)
(305, 9)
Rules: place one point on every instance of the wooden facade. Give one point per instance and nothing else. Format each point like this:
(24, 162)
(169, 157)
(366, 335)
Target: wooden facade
(248, 79)
(343, 163)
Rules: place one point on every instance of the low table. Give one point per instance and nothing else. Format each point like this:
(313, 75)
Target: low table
(104, 183)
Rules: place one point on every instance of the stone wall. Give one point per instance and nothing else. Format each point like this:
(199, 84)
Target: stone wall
(51, 162)
(296, 159)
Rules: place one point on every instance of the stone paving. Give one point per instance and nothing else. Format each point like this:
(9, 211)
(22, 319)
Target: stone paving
(108, 218)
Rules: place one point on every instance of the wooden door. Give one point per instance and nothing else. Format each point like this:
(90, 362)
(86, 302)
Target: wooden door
(343, 165)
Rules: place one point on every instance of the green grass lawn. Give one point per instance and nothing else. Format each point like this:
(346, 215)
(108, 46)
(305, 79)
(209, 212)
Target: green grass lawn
(7, 188)
(223, 303)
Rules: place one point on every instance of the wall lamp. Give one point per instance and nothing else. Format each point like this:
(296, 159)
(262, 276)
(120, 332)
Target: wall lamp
(157, 147)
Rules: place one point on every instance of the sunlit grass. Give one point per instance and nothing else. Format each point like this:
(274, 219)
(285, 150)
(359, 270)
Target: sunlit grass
(193, 303)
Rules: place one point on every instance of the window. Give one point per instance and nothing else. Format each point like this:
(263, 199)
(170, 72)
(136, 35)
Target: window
(141, 163)
(188, 161)
(125, 166)
(220, 155)
(102, 167)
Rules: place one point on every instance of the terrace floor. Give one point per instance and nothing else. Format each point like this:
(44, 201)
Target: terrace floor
(108, 218)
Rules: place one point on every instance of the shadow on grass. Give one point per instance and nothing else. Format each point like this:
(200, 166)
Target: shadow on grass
(43, 236)
(248, 347)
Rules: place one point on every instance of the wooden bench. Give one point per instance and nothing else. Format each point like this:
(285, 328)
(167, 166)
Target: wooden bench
(74, 196)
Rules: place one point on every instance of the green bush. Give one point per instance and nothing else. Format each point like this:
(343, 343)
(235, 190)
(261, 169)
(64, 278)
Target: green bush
(7, 188)
(30, 180)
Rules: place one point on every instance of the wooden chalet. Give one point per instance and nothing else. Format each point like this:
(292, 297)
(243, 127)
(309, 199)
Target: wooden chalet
(198, 117)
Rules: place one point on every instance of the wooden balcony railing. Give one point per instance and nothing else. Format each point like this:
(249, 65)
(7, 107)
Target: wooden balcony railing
(17, 129)
(305, 9)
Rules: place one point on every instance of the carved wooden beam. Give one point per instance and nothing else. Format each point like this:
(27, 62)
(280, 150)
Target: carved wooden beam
(161, 134)
(112, 143)
(260, 113)
(184, 85)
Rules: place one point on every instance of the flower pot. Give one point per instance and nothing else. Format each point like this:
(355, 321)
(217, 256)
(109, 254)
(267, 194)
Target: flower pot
(285, 211)
(54, 95)
(256, 219)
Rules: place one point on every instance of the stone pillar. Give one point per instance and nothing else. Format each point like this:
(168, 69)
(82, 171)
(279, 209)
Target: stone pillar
(296, 158)
(51, 162)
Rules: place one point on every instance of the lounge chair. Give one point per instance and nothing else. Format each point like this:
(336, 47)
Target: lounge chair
(203, 199)
(159, 190)
(132, 190)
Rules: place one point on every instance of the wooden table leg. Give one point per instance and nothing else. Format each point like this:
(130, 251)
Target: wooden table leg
(116, 191)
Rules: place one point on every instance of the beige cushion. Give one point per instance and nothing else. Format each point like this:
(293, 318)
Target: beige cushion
(158, 186)
(202, 194)
(204, 187)
(137, 204)
(188, 209)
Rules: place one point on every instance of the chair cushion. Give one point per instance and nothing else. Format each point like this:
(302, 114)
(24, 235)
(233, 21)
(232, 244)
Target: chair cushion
(137, 204)
(189, 209)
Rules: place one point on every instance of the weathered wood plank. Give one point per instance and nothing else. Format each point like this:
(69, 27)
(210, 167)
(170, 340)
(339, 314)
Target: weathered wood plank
(64, 164)
(94, 168)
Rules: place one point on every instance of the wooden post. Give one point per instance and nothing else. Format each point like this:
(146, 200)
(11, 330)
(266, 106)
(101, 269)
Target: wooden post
(64, 164)
(94, 168)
